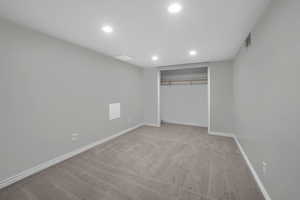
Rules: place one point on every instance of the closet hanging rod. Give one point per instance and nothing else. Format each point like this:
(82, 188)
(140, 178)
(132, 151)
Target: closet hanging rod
(185, 82)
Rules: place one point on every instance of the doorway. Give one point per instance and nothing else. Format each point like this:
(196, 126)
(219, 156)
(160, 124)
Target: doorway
(184, 96)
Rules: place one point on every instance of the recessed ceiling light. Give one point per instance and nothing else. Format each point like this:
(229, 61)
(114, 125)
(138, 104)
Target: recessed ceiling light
(154, 58)
(107, 29)
(193, 52)
(174, 8)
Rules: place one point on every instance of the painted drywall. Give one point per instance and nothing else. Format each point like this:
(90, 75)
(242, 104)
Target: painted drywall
(267, 99)
(151, 93)
(185, 104)
(51, 89)
(221, 96)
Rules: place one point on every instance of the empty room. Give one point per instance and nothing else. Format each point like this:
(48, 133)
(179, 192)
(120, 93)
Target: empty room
(149, 100)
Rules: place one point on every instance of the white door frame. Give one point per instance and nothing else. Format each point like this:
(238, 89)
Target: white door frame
(184, 67)
(209, 97)
(158, 123)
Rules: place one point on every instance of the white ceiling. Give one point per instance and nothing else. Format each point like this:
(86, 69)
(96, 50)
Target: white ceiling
(142, 28)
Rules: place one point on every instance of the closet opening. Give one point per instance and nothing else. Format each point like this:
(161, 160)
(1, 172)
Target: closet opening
(184, 96)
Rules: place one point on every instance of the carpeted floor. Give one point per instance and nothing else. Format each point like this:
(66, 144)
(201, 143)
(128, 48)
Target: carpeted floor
(173, 162)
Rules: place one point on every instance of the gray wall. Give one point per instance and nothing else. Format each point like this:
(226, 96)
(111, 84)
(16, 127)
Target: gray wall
(151, 96)
(51, 89)
(221, 96)
(267, 99)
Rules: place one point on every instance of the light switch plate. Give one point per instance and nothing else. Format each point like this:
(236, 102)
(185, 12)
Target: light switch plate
(114, 111)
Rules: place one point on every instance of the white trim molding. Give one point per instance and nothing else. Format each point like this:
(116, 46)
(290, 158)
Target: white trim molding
(154, 125)
(182, 123)
(45, 165)
(255, 175)
(209, 98)
(222, 134)
(158, 98)
(250, 166)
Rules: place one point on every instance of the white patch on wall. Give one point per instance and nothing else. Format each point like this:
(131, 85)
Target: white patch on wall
(114, 111)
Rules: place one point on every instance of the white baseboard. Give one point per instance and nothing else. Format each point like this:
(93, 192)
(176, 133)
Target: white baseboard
(255, 175)
(154, 125)
(253, 172)
(185, 124)
(42, 166)
(222, 134)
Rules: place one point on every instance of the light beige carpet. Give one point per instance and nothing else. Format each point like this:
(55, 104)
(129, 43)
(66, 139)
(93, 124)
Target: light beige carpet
(173, 162)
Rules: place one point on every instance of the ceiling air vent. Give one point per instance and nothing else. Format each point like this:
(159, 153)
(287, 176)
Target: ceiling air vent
(248, 40)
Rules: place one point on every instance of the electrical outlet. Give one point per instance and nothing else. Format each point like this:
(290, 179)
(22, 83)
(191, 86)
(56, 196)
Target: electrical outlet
(75, 136)
(264, 167)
